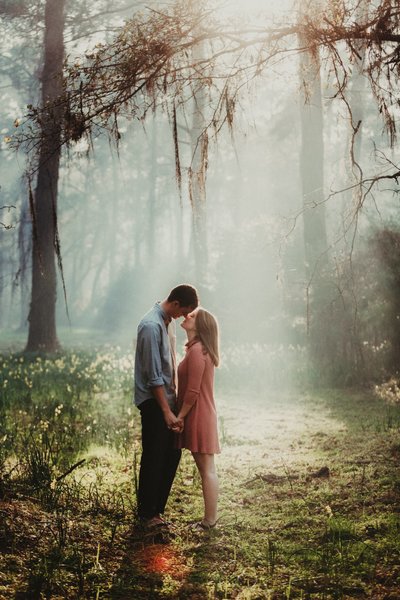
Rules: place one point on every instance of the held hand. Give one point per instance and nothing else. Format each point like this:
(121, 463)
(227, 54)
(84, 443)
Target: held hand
(178, 427)
(171, 420)
(181, 423)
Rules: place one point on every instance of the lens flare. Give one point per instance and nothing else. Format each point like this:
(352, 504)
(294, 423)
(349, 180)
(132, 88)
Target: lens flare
(163, 559)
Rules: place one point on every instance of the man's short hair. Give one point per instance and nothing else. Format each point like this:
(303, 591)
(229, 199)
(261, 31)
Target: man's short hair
(185, 294)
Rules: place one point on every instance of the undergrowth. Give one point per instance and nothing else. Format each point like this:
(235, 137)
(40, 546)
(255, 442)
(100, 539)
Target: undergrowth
(309, 504)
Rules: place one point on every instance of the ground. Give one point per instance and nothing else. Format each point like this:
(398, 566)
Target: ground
(309, 508)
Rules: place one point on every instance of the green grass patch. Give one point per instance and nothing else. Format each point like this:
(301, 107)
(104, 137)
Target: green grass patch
(309, 504)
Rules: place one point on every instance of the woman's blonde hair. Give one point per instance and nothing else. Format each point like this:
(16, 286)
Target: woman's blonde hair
(207, 332)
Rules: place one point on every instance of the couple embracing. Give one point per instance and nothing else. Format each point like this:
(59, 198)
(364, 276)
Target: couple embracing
(176, 405)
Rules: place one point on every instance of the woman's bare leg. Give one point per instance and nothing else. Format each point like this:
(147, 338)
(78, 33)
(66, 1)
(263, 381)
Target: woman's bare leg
(209, 483)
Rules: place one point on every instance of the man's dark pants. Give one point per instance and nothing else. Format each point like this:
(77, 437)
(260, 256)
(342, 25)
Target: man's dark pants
(159, 461)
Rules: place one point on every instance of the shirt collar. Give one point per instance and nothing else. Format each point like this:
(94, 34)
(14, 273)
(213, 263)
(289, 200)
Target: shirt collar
(167, 319)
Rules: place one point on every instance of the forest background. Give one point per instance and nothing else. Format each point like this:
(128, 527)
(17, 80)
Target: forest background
(251, 153)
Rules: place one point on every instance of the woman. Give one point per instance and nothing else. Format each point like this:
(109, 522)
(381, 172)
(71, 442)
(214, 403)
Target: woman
(197, 407)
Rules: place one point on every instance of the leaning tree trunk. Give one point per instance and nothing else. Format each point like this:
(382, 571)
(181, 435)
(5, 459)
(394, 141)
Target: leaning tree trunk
(42, 321)
(320, 342)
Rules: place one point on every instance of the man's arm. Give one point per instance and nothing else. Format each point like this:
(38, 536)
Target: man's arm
(169, 417)
(151, 362)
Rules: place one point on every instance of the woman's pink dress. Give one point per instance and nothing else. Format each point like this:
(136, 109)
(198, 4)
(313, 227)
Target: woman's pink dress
(195, 387)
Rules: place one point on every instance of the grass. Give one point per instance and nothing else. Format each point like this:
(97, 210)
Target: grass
(310, 491)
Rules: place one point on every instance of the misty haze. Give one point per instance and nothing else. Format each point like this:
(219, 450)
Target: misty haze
(249, 150)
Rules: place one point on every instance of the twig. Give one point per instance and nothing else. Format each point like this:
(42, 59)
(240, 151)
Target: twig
(75, 466)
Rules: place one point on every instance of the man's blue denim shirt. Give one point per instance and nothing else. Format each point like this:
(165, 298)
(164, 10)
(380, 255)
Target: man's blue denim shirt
(153, 358)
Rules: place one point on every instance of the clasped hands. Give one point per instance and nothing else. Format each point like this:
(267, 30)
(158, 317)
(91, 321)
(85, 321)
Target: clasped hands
(176, 424)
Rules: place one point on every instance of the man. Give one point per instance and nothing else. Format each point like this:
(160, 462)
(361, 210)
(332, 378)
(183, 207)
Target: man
(155, 396)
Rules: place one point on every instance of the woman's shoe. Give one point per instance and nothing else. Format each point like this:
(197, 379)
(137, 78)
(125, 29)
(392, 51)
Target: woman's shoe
(203, 525)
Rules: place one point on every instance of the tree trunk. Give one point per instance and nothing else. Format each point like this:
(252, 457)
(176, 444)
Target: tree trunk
(42, 319)
(152, 196)
(320, 342)
(25, 252)
(356, 86)
(197, 177)
(2, 288)
(353, 353)
(312, 167)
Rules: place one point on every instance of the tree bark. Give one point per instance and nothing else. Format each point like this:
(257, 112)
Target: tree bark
(42, 318)
(25, 253)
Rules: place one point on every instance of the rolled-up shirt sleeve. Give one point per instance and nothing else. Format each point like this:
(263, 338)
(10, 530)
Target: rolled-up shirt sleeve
(149, 341)
(196, 366)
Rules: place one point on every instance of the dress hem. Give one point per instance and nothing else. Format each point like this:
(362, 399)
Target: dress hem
(199, 451)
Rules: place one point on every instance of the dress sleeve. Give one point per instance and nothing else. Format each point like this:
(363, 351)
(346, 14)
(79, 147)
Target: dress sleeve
(196, 363)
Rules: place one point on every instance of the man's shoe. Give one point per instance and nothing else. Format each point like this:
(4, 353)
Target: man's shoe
(154, 522)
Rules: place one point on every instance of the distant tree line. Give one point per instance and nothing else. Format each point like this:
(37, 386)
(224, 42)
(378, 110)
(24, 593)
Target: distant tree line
(181, 60)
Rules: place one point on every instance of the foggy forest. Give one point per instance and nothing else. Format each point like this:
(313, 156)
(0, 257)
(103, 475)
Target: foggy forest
(248, 149)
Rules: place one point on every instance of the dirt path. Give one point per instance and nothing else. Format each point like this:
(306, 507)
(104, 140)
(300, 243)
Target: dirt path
(272, 433)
